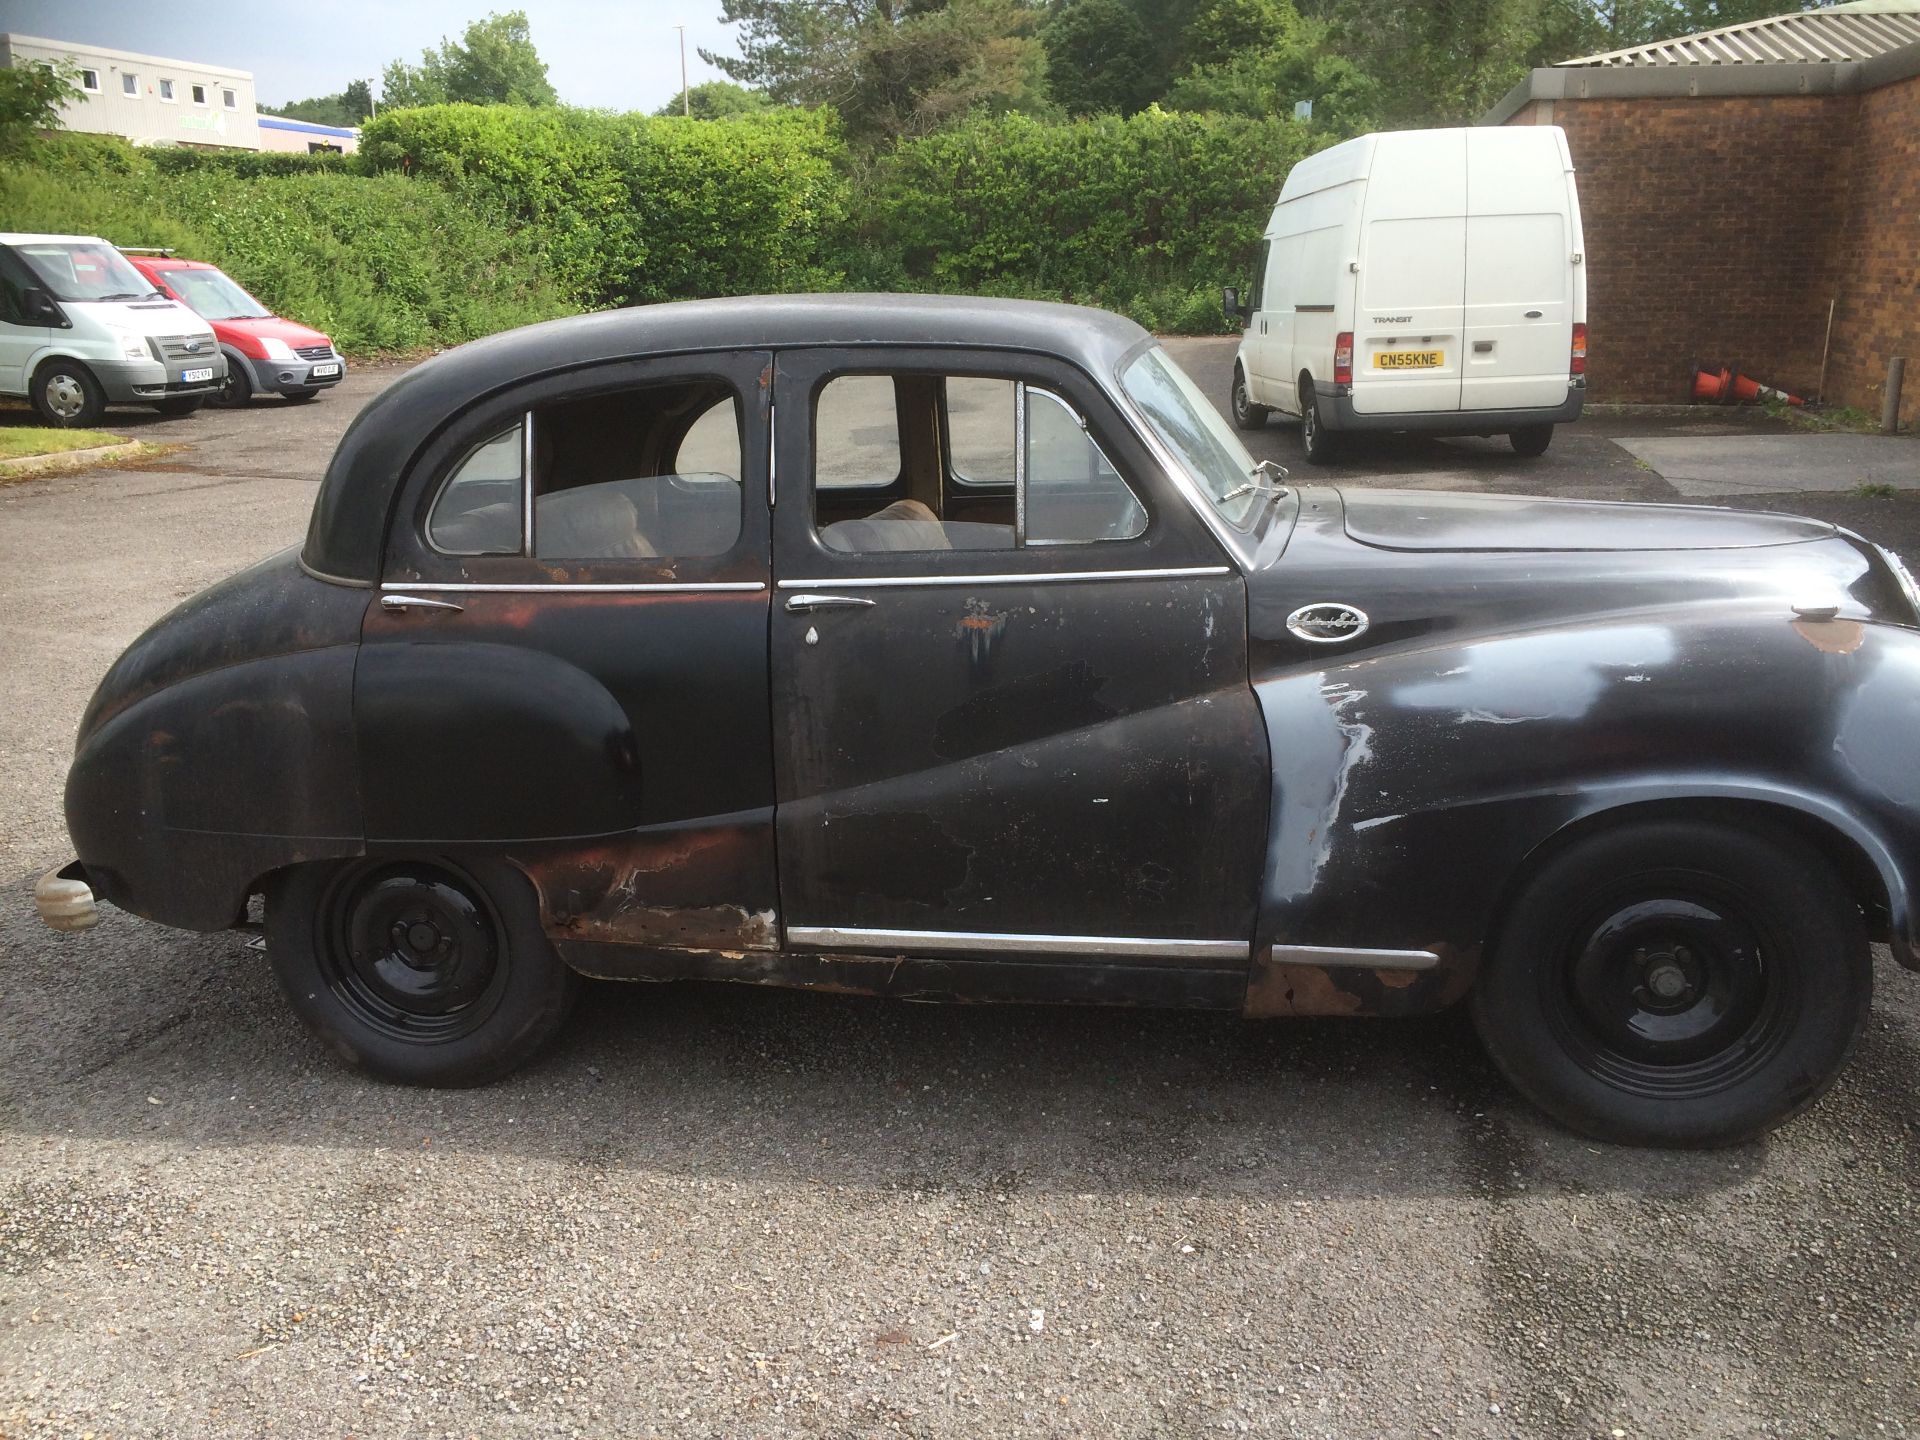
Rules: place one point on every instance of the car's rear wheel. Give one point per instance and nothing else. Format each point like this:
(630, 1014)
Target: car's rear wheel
(1677, 983)
(236, 390)
(1530, 440)
(1315, 439)
(1246, 414)
(66, 396)
(420, 971)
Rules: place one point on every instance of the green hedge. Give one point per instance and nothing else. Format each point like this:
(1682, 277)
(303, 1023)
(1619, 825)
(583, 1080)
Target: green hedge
(380, 263)
(1150, 214)
(630, 208)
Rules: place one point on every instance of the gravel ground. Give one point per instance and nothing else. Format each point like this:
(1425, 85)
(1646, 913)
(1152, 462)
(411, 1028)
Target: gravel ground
(713, 1211)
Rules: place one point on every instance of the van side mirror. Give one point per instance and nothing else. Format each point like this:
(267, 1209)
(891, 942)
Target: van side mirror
(1230, 302)
(38, 307)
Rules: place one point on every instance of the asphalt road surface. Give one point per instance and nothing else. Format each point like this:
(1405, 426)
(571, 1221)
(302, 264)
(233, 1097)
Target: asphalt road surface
(716, 1211)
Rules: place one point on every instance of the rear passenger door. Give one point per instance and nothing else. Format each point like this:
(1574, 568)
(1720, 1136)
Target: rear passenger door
(1011, 713)
(1408, 322)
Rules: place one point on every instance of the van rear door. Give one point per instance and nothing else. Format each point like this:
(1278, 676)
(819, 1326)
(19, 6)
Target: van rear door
(1407, 321)
(1520, 290)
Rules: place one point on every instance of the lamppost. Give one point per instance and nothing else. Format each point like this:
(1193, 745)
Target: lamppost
(686, 98)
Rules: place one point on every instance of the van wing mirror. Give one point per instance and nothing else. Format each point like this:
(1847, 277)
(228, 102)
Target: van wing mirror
(1230, 302)
(39, 308)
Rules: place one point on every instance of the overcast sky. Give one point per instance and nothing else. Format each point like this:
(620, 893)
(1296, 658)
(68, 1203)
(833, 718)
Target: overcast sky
(620, 56)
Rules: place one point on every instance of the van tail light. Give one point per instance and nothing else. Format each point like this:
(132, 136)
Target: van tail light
(1579, 365)
(1343, 355)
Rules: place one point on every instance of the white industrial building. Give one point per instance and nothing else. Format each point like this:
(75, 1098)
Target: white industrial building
(147, 99)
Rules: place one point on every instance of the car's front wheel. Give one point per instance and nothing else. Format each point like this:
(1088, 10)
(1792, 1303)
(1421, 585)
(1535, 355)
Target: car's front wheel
(419, 971)
(1246, 414)
(236, 390)
(66, 396)
(1677, 983)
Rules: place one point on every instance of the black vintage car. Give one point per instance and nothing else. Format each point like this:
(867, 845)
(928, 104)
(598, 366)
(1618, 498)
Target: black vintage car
(952, 648)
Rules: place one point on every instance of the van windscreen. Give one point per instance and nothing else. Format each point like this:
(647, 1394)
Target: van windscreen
(78, 271)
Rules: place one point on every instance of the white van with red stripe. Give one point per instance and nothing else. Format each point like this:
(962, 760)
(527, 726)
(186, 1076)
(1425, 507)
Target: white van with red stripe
(1429, 280)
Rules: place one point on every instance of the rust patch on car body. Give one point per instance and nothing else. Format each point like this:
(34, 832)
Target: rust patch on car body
(678, 888)
(1275, 991)
(1832, 637)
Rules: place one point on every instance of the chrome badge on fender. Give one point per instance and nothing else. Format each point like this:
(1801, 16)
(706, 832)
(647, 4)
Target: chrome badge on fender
(1326, 622)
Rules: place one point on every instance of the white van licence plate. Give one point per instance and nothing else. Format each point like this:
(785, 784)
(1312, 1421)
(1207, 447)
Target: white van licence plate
(1409, 359)
(324, 372)
(187, 377)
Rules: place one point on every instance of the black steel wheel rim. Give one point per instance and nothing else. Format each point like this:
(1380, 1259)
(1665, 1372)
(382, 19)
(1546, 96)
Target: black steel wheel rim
(229, 392)
(1670, 986)
(1310, 424)
(414, 951)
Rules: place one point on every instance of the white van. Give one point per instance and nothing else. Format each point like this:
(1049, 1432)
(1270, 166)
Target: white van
(81, 329)
(1424, 280)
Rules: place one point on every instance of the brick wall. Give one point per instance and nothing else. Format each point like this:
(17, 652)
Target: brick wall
(1879, 314)
(1713, 229)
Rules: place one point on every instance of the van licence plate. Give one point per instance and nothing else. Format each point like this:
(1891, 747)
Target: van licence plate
(187, 377)
(1409, 359)
(324, 372)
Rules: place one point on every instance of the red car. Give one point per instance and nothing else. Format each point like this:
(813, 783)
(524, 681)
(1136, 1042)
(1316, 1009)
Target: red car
(264, 352)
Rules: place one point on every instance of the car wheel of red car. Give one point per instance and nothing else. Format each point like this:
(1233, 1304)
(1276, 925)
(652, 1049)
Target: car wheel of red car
(236, 390)
(419, 971)
(1677, 983)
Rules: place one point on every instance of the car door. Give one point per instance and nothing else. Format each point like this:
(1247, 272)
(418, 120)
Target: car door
(1408, 317)
(20, 338)
(1023, 731)
(1519, 277)
(566, 663)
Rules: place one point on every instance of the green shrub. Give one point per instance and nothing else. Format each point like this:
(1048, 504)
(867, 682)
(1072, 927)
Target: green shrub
(249, 163)
(381, 263)
(629, 208)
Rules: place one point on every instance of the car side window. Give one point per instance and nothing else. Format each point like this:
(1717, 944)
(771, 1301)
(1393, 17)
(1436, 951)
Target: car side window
(640, 473)
(927, 463)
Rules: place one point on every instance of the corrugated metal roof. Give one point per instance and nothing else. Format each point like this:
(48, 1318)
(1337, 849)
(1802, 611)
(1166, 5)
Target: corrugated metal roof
(1856, 31)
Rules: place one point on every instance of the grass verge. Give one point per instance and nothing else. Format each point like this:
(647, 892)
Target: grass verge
(18, 441)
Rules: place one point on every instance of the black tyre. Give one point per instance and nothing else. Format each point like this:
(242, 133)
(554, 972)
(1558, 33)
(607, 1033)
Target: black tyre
(306, 392)
(236, 390)
(1315, 439)
(1530, 440)
(1246, 414)
(66, 396)
(1677, 983)
(182, 405)
(420, 971)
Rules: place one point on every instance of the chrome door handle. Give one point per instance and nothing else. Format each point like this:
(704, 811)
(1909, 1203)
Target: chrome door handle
(826, 602)
(415, 602)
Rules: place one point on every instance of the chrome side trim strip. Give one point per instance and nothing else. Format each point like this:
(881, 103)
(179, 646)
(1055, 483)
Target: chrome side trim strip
(463, 587)
(526, 483)
(843, 582)
(836, 937)
(1341, 957)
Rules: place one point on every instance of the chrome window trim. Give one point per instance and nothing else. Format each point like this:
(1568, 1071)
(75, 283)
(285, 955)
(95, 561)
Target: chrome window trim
(838, 937)
(535, 587)
(1019, 464)
(526, 485)
(1056, 577)
(446, 482)
(1341, 957)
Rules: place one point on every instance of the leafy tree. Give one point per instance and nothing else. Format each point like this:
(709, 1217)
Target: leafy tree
(716, 100)
(1266, 83)
(891, 67)
(1223, 30)
(1101, 60)
(348, 108)
(31, 96)
(493, 63)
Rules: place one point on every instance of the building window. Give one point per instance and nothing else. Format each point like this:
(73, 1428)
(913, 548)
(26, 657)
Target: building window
(90, 81)
(229, 99)
(199, 94)
(130, 84)
(166, 91)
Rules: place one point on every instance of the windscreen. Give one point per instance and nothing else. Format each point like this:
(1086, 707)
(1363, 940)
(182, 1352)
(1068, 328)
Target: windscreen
(214, 295)
(79, 271)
